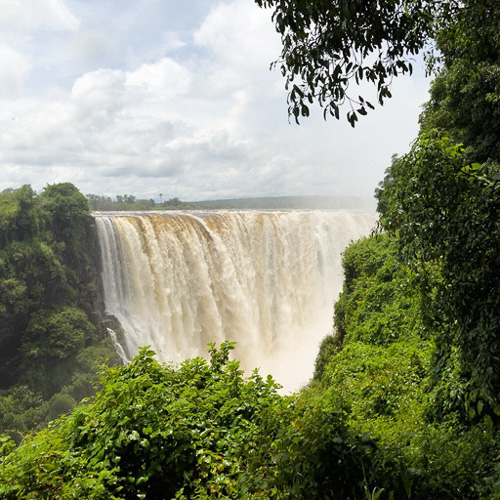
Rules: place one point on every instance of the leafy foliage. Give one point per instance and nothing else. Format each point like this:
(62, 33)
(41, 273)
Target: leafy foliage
(379, 304)
(446, 213)
(197, 431)
(465, 96)
(442, 198)
(203, 431)
(64, 202)
(382, 375)
(329, 45)
(157, 432)
(417, 354)
(47, 304)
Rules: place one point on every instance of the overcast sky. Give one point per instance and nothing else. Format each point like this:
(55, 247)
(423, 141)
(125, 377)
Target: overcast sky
(174, 97)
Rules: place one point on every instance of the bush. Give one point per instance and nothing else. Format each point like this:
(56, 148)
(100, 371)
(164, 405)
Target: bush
(201, 431)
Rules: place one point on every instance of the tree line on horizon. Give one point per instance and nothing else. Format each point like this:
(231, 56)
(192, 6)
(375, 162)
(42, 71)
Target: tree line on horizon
(130, 202)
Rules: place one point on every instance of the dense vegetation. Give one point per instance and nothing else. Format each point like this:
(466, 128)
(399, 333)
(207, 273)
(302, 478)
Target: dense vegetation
(50, 342)
(199, 431)
(330, 47)
(386, 365)
(405, 400)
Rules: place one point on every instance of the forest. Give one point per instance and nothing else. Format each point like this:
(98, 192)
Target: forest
(405, 399)
(52, 340)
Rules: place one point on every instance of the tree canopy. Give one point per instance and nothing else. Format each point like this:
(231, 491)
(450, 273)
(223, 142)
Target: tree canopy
(329, 47)
(200, 430)
(465, 95)
(50, 343)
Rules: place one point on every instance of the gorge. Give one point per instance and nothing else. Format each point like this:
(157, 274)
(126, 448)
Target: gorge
(266, 280)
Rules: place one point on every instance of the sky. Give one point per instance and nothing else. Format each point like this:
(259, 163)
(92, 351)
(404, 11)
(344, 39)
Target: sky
(175, 97)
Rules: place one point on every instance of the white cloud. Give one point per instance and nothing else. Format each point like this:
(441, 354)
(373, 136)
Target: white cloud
(239, 34)
(206, 120)
(98, 87)
(37, 14)
(15, 68)
(164, 78)
(93, 48)
(240, 41)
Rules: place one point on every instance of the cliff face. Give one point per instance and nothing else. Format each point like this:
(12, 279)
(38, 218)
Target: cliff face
(51, 300)
(87, 266)
(53, 338)
(40, 276)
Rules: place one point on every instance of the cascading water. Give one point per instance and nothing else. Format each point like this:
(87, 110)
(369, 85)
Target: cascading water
(266, 280)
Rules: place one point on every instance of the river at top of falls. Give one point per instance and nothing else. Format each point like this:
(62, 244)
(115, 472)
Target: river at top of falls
(266, 280)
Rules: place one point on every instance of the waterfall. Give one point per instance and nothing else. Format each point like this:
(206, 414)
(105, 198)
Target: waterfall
(266, 280)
